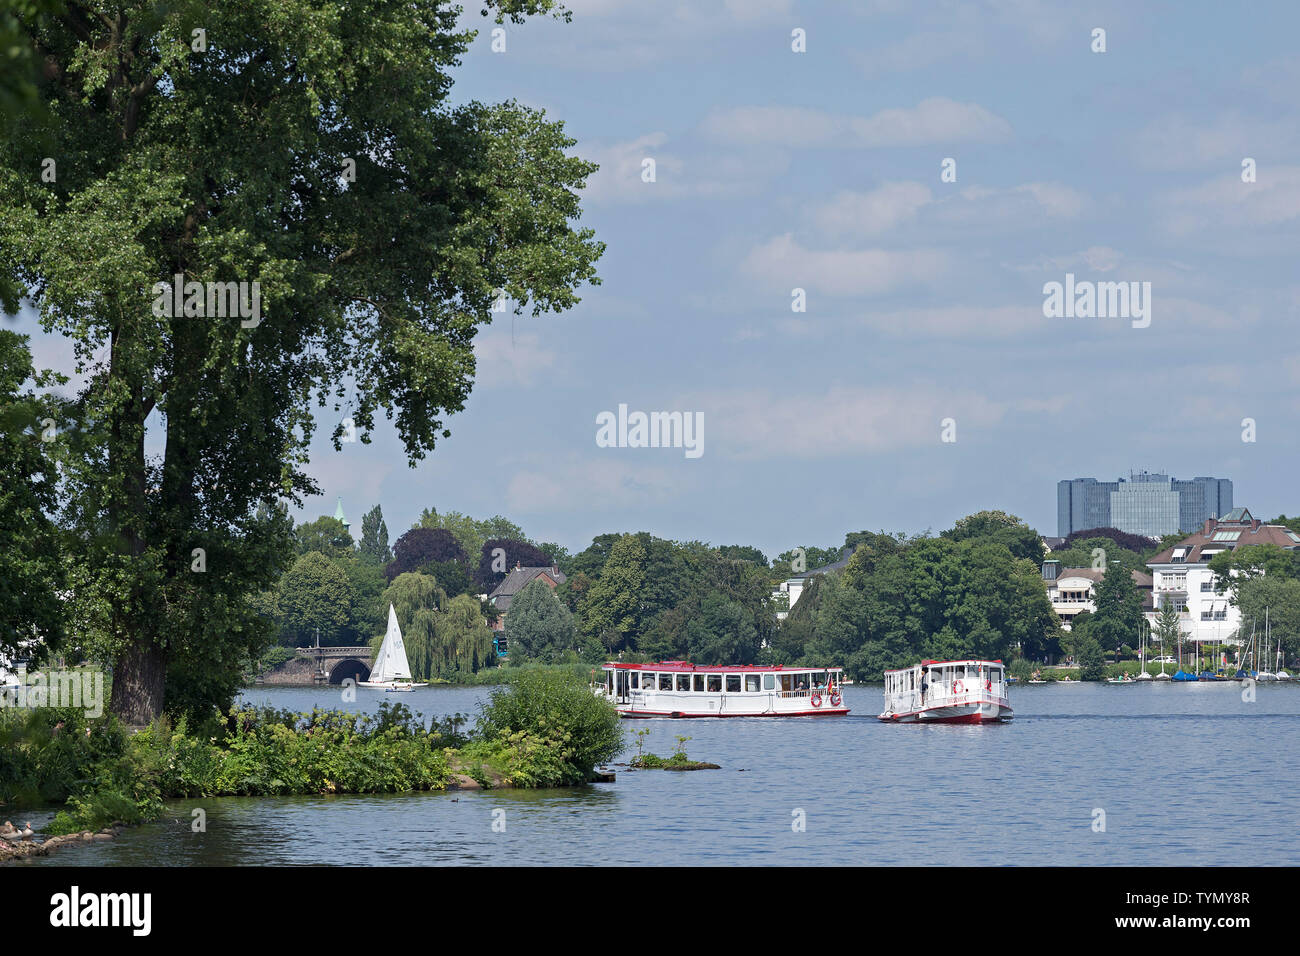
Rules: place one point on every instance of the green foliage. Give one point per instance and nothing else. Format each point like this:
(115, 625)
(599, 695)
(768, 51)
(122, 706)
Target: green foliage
(32, 571)
(451, 577)
(445, 637)
(471, 532)
(374, 538)
(315, 593)
(561, 709)
(1231, 568)
(962, 595)
(1168, 627)
(1118, 618)
(225, 167)
(1280, 597)
(1090, 657)
(998, 526)
(326, 535)
(611, 608)
(539, 627)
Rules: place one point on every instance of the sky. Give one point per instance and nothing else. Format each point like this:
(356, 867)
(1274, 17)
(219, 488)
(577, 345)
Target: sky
(923, 380)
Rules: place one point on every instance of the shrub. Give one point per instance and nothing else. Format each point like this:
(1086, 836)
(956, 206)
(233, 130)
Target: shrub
(558, 708)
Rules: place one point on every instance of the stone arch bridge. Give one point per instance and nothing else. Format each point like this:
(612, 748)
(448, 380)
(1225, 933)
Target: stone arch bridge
(322, 665)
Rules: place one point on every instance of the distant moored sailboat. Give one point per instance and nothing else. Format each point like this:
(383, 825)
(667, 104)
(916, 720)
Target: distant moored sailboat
(392, 671)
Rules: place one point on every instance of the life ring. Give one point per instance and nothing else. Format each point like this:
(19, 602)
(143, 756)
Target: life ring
(816, 700)
(835, 700)
(988, 684)
(958, 687)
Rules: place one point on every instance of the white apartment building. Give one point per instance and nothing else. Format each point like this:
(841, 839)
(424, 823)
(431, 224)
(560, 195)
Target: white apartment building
(1182, 575)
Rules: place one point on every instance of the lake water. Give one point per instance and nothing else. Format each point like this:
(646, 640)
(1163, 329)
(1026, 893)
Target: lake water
(1185, 775)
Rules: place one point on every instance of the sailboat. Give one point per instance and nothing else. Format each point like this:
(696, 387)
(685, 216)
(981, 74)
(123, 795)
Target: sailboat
(1142, 651)
(392, 671)
(1268, 633)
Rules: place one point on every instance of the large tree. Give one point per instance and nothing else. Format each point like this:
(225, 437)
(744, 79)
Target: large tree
(315, 595)
(309, 147)
(538, 626)
(423, 547)
(1118, 619)
(374, 537)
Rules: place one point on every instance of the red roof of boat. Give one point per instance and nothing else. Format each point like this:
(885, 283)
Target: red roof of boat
(706, 668)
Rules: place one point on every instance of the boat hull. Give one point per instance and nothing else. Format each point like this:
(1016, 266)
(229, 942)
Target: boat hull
(972, 712)
(693, 705)
(635, 713)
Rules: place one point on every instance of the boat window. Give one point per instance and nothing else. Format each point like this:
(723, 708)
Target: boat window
(636, 678)
(715, 683)
(787, 682)
(699, 683)
(733, 683)
(769, 682)
(752, 682)
(684, 682)
(665, 681)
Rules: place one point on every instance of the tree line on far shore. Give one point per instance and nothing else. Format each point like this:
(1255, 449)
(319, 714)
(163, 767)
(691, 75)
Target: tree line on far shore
(975, 589)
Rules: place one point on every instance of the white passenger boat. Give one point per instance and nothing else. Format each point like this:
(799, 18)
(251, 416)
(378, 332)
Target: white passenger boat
(680, 689)
(948, 692)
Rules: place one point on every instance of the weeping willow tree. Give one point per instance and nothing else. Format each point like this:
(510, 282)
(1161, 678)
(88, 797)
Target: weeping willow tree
(443, 636)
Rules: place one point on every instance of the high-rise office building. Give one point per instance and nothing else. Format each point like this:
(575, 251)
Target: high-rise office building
(1144, 503)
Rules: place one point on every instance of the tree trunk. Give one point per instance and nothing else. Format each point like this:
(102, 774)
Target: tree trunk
(138, 684)
(140, 669)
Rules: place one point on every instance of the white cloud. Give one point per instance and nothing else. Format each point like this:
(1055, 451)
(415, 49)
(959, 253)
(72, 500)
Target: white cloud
(896, 203)
(1179, 142)
(934, 120)
(621, 478)
(958, 321)
(503, 359)
(1227, 201)
(842, 421)
(704, 175)
(874, 212)
(1094, 258)
(783, 263)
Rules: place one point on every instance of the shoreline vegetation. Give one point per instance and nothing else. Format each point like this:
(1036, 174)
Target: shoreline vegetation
(546, 729)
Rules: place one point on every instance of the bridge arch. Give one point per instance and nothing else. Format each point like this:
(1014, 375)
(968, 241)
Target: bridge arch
(349, 667)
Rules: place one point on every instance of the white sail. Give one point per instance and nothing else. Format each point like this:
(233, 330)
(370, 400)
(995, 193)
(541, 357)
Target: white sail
(390, 662)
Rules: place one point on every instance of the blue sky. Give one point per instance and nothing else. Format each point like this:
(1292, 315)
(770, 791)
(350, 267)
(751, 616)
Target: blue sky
(821, 170)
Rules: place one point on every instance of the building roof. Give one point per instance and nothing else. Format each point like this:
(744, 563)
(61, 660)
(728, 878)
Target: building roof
(1140, 579)
(839, 565)
(515, 581)
(1233, 530)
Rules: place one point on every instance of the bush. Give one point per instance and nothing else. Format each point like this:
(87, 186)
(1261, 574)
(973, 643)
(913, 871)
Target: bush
(559, 710)
(1090, 658)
